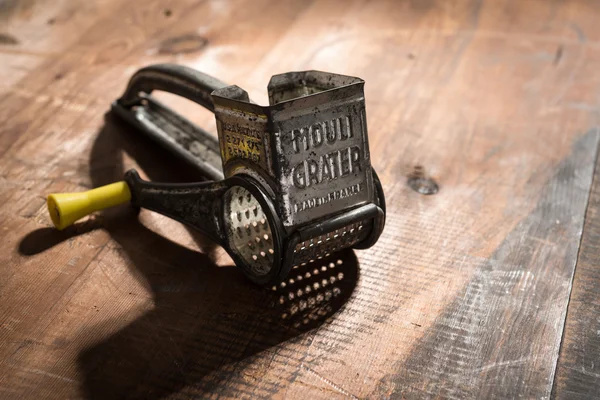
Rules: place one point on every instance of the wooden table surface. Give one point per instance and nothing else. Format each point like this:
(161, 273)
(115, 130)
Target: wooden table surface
(487, 289)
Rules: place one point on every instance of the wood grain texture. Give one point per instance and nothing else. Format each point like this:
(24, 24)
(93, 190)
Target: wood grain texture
(465, 295)
(578, 372)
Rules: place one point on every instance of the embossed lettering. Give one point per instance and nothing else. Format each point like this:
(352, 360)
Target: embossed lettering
(315, 135)
(330, 131)
(312, 168)
(299, 135)
(345, 128)
(344, 161)
(327, 167)
(335, 195)
(299, 176)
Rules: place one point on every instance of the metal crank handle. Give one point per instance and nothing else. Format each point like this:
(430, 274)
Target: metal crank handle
(235, 213)
(194, 204)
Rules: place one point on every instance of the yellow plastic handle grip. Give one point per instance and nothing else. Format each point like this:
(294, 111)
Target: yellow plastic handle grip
(66, 208)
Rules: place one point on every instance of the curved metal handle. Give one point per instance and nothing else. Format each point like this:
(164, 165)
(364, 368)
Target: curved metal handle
(177, 79)
(174, 132)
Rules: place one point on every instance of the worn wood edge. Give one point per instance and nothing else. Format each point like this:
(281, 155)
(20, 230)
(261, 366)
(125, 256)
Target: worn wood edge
(587, 243)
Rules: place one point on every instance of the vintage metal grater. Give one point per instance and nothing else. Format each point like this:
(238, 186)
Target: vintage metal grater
(292, 181)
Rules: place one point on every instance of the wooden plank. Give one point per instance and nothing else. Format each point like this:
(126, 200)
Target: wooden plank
(578, 373)
(31, 32)
(464, 296)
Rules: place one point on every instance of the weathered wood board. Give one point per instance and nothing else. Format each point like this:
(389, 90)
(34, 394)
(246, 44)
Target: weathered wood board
(465, 295)
(578, 372)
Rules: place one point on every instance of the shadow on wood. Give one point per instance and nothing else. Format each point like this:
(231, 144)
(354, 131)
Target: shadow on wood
(208, 321)
(43, 239)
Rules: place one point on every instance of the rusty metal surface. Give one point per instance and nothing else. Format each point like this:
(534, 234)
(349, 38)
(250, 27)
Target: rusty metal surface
(310, 143)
